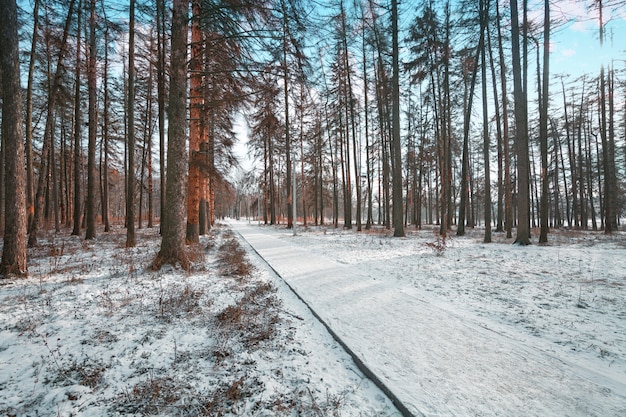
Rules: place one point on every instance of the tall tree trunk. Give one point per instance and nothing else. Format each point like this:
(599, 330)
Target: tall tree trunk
(484, 18)
(291, 199)
(500, 204)
(612, 196)
(92, 173)
(610, 219)
(350, 128)
(78, 198)
(302, 172)
(572, 219)
(105, 135)
(370, 212)
(580, 172)
(30, 174)
(63, 179)
(160, 18)
(130, 113)
(543, 128)
(558, 214)
(589, 176)
(521, 135)
(149, 160)
(508, 194)
(466, 128)
(14, 249)
(195, 126)
(599, 179)
(398, 225)
(54, 186)
(173, 229)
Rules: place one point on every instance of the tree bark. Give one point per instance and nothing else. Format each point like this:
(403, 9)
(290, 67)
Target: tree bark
(45, 151)
(291, 199)
(14, 249)
(466, 128)
(160, 19)
(398, 224)
(195, 126)
(173, 229)
(508, 199)
(105, 136)
(484, 18)
(521, 135)
(130, 114)
(92, 172)
(78, 199)
(30, 174)
(543, 128)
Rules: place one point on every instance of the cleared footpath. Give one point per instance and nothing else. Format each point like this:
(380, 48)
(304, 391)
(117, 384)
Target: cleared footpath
(430, 360)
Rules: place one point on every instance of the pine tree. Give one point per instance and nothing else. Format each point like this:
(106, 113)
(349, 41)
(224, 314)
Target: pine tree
(14, 249)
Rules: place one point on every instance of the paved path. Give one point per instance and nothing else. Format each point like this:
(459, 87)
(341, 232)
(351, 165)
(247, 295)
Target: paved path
(436, 361)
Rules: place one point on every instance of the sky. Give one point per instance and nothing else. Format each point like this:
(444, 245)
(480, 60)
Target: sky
(575, 45)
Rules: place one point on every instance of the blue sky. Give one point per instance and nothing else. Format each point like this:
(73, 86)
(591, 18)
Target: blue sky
(575, 46)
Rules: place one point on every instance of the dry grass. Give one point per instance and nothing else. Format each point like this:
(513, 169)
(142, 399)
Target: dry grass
(179, 301)
(232, 259)
(254, 317)
(151, 396)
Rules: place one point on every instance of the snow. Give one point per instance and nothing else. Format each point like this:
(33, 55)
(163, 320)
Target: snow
(93, 332)
(466, 328)
(454, 328)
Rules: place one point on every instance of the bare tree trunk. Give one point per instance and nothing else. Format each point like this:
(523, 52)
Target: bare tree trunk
(130, 103)
(63, 179)
(612, 196)
(302, 172)
(149, 163)
(92, 172)
(398, 225)
(508, 199)
(290, 200)
(521, 135)
(54, 187)
(195, 126)
(571, 214)
(30, 174)
(543, 128)
(589, 176)
(500, 203)
(105, 136)
(173, 229)
(14, 249)
(484, 18)
(370, 215)
(465, 171)
(161, 100)
(78, 202)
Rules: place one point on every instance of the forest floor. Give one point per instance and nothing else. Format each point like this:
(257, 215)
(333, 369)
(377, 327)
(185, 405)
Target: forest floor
(94, 332)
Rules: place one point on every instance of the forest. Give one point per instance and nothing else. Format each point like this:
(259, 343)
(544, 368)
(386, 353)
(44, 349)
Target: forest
(356, 113)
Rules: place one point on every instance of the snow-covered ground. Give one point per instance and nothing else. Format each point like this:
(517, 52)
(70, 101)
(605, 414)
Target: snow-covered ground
(455, 328)
(94, 332)
(465, 328)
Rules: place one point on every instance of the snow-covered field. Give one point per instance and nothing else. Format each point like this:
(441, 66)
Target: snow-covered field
(93, 332)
